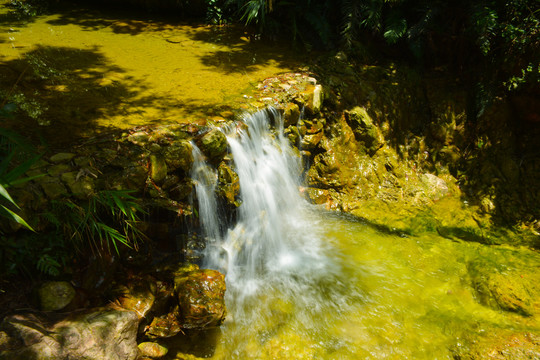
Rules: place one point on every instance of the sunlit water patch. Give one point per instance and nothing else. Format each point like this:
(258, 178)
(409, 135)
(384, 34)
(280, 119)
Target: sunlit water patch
(78, 70)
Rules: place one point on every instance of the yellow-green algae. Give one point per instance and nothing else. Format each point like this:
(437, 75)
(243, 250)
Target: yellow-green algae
(79, 71)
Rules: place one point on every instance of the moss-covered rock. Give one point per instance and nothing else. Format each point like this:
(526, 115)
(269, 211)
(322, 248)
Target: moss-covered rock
(179, 155)
(517, 292)
(364, 129)
(152, 349)
(499, 345)
(214, 144)
(158, 168)
(55, 295)
(201, 298)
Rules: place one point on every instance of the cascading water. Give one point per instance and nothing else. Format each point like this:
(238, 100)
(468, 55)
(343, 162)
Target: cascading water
(205, 178)
(273, 241)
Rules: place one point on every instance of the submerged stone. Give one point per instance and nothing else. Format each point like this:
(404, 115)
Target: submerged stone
(152, 349)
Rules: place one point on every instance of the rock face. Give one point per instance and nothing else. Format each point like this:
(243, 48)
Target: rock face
(92, 335)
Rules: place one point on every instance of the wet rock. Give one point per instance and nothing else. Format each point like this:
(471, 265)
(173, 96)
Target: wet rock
(435, 187)
(291, 115)
(214, 144)
(228, 183)
(52, 187)
(55, 295)
(178, 155)
(140, 138)
(364, 129)
(182, 190)
(164, 326)
(91, 335)
(317, 196)
(312, 99)
(201, 298)
(61, 157)
(158, 168)
(82, 187)
(58, 169)
(138, 296)
(500, 345)
(310, 142)
(132, 177)
(152, 349)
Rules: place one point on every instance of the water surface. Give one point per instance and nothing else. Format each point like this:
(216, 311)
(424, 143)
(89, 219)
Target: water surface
(78, 71)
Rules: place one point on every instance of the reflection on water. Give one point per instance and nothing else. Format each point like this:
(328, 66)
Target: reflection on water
(84, 70)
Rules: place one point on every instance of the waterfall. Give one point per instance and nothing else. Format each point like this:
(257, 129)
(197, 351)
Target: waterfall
(205, 178)
(274, 242)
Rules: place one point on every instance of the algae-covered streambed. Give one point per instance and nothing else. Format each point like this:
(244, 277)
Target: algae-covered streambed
(80, 71)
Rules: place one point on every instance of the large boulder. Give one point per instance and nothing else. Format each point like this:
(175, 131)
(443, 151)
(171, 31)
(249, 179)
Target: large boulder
(91, 335)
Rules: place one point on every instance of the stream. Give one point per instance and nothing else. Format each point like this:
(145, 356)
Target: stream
(303, 283)
(80, 71)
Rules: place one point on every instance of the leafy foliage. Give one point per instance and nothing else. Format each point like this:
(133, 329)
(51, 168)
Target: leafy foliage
(14, 149)
(103, 223)
(29, 7)
(500, 37)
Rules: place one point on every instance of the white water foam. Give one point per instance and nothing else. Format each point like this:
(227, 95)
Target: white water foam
(276, 242)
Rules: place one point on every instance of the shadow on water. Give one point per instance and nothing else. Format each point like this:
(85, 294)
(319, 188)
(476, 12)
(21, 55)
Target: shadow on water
(242, 55)
(60, 92)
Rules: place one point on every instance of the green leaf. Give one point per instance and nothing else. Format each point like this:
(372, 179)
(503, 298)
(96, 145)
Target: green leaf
(395, 30)
(10, 214)
(5, 195)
